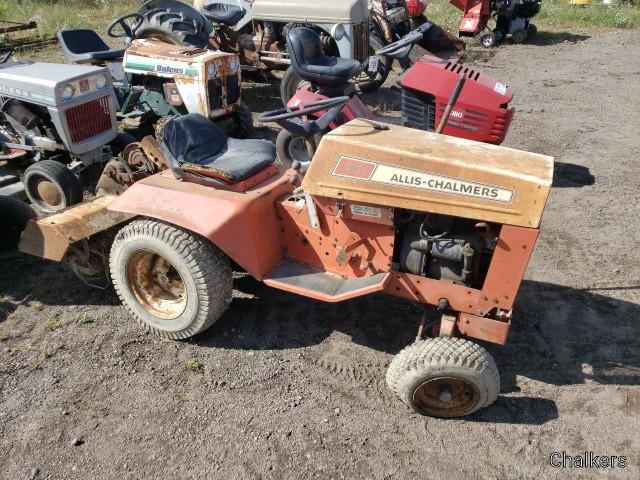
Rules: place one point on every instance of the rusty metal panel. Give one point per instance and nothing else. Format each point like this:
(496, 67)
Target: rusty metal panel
(395, 166)
(430, 291)
(52, 236)
(508, 264)
(488, 329)
(352, 241)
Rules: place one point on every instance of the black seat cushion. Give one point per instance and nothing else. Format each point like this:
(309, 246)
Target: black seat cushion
(86, 46)
(196, 142)
(310, 62)
(223, 13)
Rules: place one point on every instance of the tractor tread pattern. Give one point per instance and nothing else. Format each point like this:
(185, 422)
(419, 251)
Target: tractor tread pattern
(442, 354)
(209, 267)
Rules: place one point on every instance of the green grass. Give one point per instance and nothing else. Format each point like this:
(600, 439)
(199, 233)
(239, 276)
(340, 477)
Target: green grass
(554, 14)
(53, 324)
(53, 15)
(558, 14)
(195, 365)
(84, 319)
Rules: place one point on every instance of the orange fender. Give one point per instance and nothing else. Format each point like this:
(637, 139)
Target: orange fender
(243, 225)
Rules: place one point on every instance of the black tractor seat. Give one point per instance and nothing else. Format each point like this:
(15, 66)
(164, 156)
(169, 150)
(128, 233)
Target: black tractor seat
(196, 143)
(86, 46)
(309, 61)
(223, 13)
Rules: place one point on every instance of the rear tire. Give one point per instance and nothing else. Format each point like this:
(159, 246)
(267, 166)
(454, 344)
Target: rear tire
(532, 31)
(364, 82)
(176, 284)
(121, 141)
(51, 186)
(14, 215)
(289, 85)
(444, 377)
(519, 36)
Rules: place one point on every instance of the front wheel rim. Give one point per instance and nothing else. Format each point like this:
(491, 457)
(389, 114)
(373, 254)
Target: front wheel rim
(156, 284)
(46, 193)
(446, 397)
(298, 150)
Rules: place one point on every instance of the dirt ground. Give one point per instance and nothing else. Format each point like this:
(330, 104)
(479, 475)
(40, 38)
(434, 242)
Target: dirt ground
(293, 388)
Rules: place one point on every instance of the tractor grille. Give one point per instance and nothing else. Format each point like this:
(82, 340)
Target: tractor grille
(233, 90)
(214, 91)
(361, 41)
(89, 119)
(418, 110)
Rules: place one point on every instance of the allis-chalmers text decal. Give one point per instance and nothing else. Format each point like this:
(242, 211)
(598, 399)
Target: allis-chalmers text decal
(404, 177)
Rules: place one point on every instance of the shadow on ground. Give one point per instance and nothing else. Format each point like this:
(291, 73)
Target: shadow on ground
(559, 335)
(569, 175)
(545, 38)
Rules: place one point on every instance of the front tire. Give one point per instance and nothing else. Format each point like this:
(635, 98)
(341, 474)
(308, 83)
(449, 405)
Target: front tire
(488, 40)
(14, 215)
(291, 148)
(444, 377)
(51, 186)
(176, 284)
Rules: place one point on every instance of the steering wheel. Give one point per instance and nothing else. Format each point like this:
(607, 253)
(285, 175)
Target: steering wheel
(307, 128)
(128, 31)
(307, 109)
(401, 48)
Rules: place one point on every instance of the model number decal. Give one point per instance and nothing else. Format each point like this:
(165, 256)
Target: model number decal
(134, 62)
(366, 211)
(404, 177)
(500, 88)
(25, 93)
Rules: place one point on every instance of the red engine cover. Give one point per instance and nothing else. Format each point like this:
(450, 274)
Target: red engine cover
(482, 112)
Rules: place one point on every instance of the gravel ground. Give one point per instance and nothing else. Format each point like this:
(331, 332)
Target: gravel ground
(293, 388)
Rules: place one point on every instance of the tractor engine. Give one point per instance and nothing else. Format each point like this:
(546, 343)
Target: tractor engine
(445, 248)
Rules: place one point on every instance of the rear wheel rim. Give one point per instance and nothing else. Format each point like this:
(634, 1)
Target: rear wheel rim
(157, 285)
(446, 397)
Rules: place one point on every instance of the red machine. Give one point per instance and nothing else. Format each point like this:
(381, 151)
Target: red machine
(512, 18)
(482, 112)
(415, 8)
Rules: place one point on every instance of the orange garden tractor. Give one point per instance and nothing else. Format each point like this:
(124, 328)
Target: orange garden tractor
(441, 221)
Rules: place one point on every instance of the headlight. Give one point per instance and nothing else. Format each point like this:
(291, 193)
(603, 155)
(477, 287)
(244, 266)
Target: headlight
(211, 69)
(101, 82)
(337, 31)
(67, 92)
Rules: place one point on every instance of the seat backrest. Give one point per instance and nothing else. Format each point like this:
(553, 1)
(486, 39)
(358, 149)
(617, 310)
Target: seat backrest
(192, 138)
(82, 41)
(304, 47)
